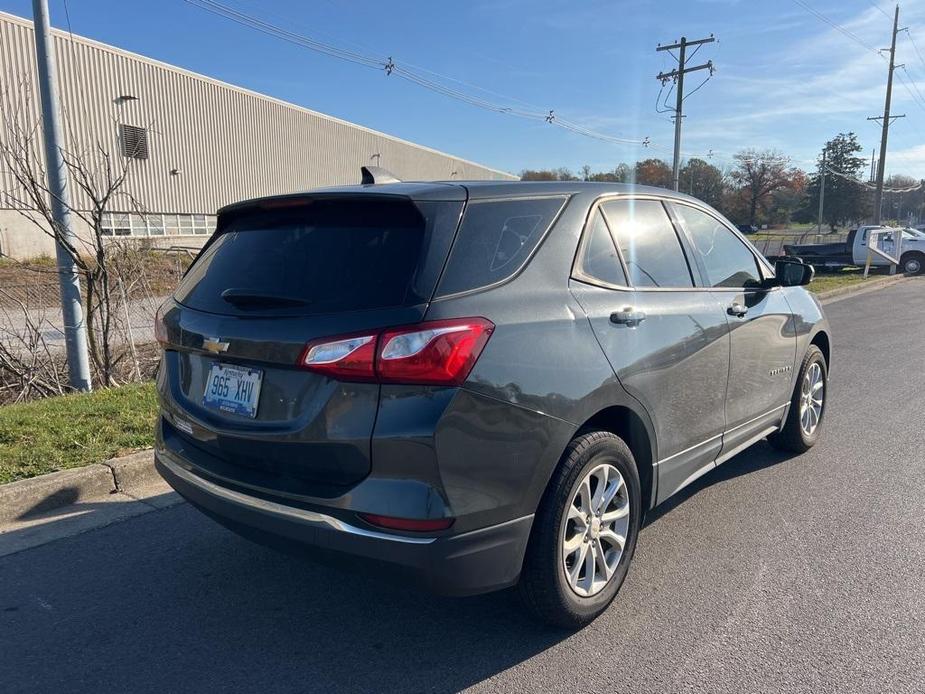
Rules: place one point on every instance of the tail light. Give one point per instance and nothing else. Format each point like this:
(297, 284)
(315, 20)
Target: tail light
(410, 524)
(160, 328)
(349, 357)
(433, 353)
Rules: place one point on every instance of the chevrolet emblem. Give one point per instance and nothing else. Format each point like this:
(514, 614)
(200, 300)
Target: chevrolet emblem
(214, 345)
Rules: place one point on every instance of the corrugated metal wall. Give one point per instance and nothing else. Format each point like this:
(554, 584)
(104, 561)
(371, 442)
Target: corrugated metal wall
(229, 143)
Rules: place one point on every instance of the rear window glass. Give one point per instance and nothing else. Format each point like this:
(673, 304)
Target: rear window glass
(495, 240)
(328, 256)
(600, 259)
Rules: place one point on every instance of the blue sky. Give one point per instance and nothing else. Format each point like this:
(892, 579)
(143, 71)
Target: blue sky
(784, 80)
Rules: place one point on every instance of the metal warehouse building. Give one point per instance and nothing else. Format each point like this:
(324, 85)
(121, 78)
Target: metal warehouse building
(194, 143)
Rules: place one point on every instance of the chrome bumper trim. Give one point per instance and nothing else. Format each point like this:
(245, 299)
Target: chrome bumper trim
(281, 510)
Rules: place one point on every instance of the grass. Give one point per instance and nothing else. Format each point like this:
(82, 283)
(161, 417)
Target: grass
(73, 430)
(824, 282)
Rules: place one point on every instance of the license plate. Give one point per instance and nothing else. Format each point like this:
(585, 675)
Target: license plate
(233, 389)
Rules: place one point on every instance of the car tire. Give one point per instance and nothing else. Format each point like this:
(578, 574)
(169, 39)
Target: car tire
(912, 263)
(796, 436)
(544, 586)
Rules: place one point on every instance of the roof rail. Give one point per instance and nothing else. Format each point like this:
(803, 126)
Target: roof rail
(376, 174)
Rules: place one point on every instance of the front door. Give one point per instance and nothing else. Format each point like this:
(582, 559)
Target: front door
(762, 335)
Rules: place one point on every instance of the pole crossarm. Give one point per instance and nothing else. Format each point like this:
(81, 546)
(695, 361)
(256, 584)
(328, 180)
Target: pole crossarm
(674, 74)
(893, 119)
(660, 47)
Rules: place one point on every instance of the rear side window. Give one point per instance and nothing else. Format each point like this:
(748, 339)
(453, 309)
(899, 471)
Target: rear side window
(599, 259)
(326, 256)
(725, 258)
(649, 243)
(494, 241)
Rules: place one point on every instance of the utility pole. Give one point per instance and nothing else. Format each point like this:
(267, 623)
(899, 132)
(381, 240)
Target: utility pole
(885, 121)
(75, 330)
(821, 190)
(873, 158)
(678, 77)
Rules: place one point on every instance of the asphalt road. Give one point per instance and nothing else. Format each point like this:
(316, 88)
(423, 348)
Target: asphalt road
(770, 574)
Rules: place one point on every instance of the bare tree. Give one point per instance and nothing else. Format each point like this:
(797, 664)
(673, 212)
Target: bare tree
(760, 174)
(99, 180)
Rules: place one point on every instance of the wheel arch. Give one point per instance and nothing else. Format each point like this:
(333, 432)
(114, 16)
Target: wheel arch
(822, 341)
(636, 431)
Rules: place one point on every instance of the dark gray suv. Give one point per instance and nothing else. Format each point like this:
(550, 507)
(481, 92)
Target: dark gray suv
(478, 384)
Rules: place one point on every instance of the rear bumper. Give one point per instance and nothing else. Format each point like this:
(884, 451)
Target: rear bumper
(469, 563)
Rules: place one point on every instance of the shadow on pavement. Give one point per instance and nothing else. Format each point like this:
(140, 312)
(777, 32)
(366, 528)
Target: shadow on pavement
(170, 601)
(759, 457)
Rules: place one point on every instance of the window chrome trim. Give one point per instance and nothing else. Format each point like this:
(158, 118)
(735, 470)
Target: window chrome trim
(667, 201)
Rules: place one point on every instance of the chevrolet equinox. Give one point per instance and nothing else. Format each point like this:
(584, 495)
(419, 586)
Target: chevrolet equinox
(478, 384)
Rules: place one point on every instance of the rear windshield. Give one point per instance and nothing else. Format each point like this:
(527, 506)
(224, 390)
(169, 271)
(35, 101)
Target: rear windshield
(495, 239)
(326, 256)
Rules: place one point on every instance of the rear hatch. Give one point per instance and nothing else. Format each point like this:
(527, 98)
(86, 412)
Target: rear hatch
(277, 275)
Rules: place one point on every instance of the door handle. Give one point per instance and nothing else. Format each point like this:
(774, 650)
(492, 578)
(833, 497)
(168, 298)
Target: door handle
(628, 316)
(738, 310)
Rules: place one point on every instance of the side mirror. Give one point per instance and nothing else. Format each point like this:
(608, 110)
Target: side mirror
(791, 273)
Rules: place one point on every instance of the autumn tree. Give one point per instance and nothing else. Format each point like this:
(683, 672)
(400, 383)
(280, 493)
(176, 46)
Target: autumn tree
(703, 180)
(560, 174)
(757, 175)
(653, 172)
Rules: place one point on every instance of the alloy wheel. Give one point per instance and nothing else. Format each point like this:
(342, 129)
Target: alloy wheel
(812, 394)
(595, 530)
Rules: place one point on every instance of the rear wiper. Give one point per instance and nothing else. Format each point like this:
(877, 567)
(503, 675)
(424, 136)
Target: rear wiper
(245, 298)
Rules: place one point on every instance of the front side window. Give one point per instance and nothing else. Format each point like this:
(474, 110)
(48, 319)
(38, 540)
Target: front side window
(727, 260)
(649, 243)
(599, 259)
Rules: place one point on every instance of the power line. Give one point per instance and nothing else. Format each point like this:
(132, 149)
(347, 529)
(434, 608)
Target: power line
(409, 73)
(871, 186)
(917, 97)
(915, 46)
(879, 9)
(838, 27)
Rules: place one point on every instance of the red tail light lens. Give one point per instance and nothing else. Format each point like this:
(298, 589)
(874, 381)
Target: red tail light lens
(348, 357)
(410, 524)
(437, 352)
(160, 328)
(432, 353)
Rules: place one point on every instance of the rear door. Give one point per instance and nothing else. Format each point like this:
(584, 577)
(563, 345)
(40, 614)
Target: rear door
(762, 334)
(275, 277)
(667, 341)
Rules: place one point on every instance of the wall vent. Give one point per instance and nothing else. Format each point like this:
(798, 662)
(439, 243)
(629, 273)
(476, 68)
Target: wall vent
(134, 141)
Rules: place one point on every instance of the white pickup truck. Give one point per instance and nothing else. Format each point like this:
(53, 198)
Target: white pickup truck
(855, 249)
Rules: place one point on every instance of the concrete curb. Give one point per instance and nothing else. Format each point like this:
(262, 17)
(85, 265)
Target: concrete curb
(133, 471)
(863, 288)
(37, 495)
